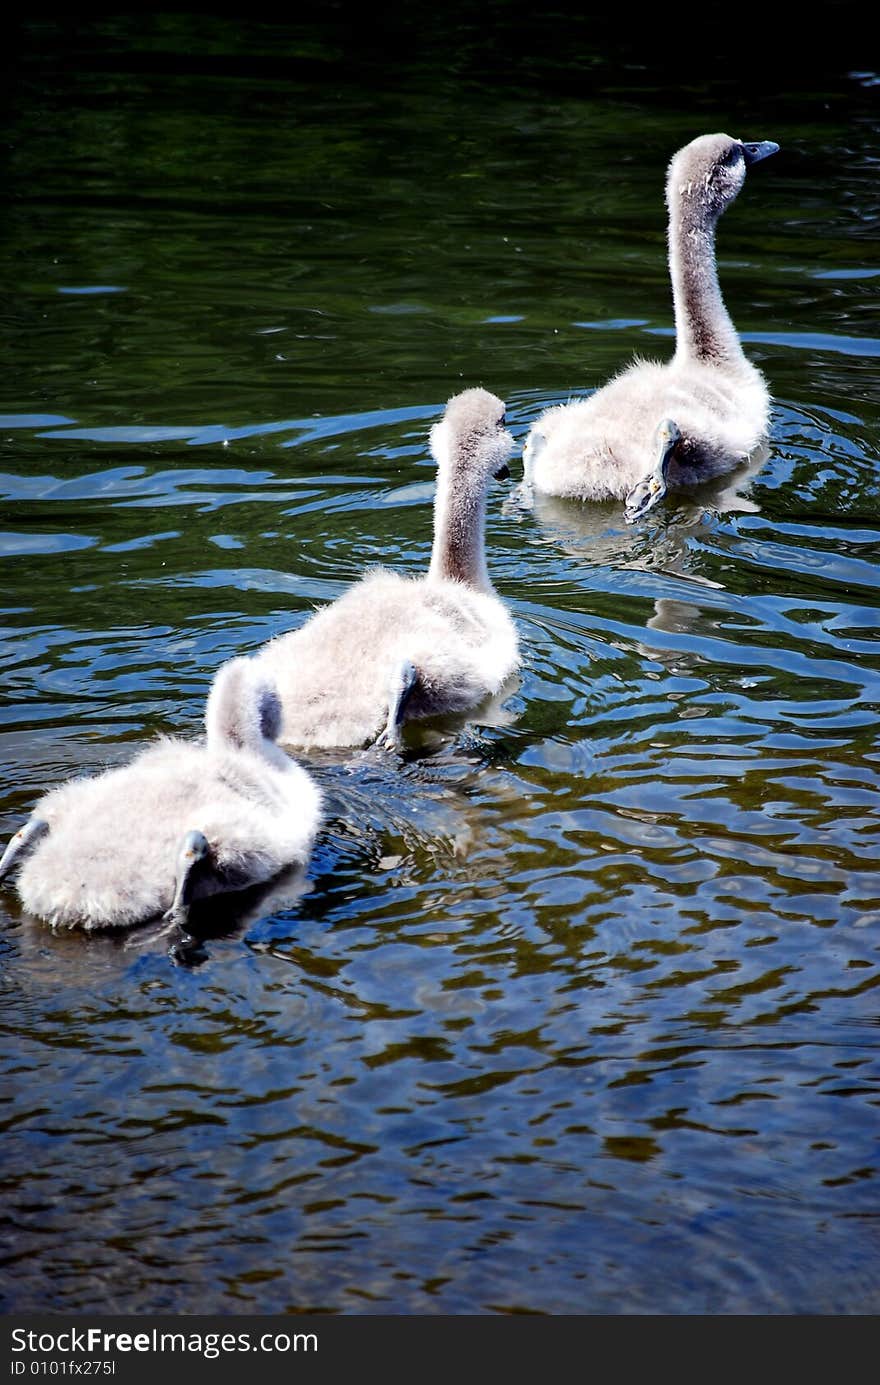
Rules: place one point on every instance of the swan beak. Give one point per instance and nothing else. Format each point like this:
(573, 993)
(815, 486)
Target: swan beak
(503, 472)
(644, 497)
(22, 844)
(754, 153)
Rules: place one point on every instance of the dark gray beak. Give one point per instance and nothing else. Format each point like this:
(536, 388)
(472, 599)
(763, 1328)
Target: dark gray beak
(503, 472)
(22, 844)
(754, 153)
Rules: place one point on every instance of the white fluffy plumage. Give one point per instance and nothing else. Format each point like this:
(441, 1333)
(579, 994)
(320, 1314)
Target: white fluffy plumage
(110, 853)
(394, 647)
(602, 447)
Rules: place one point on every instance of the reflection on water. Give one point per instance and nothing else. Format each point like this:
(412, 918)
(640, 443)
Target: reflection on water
(575, 1010)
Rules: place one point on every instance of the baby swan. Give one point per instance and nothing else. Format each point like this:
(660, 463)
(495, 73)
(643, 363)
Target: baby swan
(656, 427)
(182, 821)
(394, 648)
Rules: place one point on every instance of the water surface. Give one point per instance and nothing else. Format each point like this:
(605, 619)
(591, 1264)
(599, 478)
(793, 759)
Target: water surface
(578, 1010)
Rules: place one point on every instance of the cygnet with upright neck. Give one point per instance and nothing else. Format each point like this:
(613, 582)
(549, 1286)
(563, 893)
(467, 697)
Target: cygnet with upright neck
(394, 648)
(658, 427)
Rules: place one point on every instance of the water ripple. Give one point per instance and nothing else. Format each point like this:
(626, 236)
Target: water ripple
(575, 1009)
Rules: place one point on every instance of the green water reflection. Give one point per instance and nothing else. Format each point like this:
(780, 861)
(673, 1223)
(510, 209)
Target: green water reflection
(578, 1012)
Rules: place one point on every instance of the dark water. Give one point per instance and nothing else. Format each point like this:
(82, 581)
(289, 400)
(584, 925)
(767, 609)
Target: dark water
(579, 1011)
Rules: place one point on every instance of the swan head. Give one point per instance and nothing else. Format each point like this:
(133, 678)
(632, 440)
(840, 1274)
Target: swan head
(242, 712)
(194, 848)
(193, 862)
(471, 440)
(710, 171)
(22, 844)
(533, 446)
(652, 488)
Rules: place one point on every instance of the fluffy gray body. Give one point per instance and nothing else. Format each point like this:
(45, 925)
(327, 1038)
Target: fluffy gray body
(601, 447)
(393, 648)
(110, 857)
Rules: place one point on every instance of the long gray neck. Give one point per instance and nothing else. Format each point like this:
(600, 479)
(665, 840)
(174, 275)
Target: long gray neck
(459, 535)
(703, 328)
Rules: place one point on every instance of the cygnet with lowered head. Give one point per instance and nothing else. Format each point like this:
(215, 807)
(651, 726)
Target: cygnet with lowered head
(658, 427)
(181, 821)
(393, 648)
